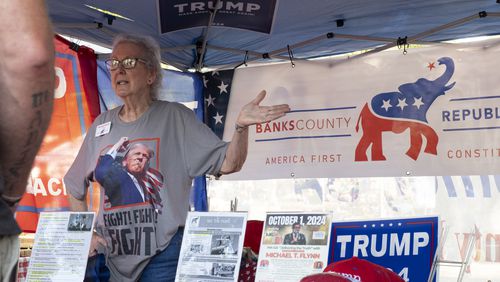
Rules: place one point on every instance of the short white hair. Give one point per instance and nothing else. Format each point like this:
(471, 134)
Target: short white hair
(151, 51)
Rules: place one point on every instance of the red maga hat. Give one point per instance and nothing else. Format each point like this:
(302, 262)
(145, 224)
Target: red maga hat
(326, 277)
(363, 271)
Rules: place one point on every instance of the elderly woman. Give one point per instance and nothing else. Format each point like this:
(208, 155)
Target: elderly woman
(141, 239)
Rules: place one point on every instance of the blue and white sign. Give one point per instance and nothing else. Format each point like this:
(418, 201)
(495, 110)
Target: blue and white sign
(407, 246)
(256, 15)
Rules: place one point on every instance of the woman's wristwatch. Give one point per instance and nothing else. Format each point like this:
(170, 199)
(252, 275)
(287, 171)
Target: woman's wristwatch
(240, 128)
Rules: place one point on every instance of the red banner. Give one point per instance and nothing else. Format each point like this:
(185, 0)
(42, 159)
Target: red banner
(76, 105)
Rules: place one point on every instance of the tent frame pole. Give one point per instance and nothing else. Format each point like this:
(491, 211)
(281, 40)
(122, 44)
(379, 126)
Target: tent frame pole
(393, 43)
(202, 46)
(423, 34)
(201, 52)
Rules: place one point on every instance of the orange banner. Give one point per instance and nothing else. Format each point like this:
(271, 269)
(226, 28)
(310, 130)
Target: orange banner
(76, 104)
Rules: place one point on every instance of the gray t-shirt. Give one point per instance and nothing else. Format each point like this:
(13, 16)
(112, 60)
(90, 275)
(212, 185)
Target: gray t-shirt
(142, 208)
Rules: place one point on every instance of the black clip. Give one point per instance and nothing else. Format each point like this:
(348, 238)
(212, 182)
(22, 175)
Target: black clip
(245, 59)
(290, 55)
(110, 19)
(73, 46)
(403, 42)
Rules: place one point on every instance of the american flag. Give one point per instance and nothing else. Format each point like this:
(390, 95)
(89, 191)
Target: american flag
(216, 89)
(154, 183)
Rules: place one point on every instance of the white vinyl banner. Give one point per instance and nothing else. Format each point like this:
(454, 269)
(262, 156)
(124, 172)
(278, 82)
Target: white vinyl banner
(433, 111)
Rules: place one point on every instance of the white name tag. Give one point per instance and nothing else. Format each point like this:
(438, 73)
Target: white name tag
(103, 129)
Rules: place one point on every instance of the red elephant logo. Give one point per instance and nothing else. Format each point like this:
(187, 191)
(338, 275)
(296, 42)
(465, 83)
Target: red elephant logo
(400, 111)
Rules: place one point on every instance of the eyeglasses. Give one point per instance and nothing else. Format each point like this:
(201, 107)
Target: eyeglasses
(127, 63)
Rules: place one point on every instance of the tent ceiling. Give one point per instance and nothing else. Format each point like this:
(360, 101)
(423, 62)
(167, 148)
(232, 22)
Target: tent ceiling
(367, 24)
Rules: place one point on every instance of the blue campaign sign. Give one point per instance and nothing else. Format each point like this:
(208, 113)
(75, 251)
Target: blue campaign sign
(256, 15)
(407, 246)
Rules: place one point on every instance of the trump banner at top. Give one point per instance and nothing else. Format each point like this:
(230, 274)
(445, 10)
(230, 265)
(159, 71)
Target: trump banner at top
(255, 15)
(433, 111)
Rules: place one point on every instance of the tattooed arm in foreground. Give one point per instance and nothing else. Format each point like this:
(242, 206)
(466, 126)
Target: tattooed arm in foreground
(26, 89)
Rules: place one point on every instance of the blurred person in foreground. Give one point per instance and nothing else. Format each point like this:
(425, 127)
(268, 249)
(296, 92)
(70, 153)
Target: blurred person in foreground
(141, 241)
(27, 90)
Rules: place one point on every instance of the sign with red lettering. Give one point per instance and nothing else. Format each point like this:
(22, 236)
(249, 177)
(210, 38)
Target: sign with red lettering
(387, 114)
(293, 245)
